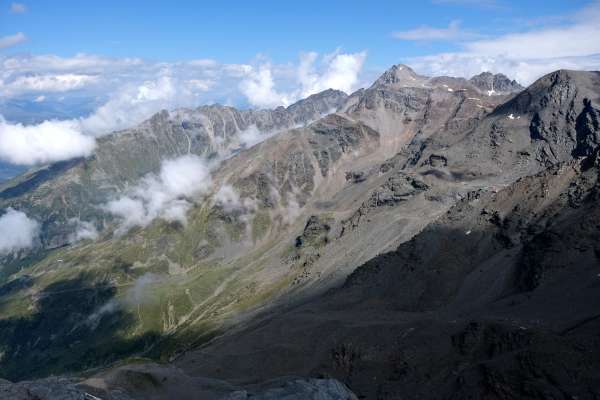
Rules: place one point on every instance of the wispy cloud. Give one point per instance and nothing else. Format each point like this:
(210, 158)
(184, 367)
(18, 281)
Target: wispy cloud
(82, 230)
(18, 8)
(12, 40)
(452, 32)
(166, 195)
(568, 43)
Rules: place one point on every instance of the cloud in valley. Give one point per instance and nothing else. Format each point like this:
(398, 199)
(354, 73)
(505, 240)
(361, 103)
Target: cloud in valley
(17, 231)
(167, 195)
(139, 293)
(82, 230)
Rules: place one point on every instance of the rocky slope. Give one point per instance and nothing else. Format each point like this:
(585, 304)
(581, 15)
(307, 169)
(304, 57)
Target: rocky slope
(55, 193)
(451, 198)
(498, 298)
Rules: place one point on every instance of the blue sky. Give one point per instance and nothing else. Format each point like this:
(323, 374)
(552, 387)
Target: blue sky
(80, 69)
(237, 31)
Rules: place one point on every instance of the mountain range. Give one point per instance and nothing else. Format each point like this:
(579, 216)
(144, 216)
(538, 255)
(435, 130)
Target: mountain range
(425, 237)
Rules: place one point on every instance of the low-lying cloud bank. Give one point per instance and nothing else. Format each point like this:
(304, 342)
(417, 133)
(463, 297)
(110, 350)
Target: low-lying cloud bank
(43, 143)
(145, 88)
(168, 195)
(17, 231)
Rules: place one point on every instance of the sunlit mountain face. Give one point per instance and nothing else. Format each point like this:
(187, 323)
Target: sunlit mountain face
(260, 201)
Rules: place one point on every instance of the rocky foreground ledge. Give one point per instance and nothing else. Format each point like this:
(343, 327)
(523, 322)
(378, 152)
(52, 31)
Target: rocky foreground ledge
(151, 381)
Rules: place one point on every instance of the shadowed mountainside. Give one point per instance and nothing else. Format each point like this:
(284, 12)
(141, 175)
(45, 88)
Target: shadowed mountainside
(431, 238)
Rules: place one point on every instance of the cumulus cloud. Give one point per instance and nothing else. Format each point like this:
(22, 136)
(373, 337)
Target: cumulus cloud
(527, 55)
(18, 8)
(341, 72)
(17, 231)
(42, 143)
(12, 40)
(335, 71)
(428, 33)
(166, 195)
(259, 88)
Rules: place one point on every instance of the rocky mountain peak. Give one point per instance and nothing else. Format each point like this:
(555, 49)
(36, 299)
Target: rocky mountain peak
(398, 75)
(495, 83)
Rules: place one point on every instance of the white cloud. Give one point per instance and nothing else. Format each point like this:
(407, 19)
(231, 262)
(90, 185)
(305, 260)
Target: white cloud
(525, 71)
(228, 198)
(341, 72)
(427, 33)
(46, 142)
(81, 230)
(133, 104)
(17, 231)
(80, 63)
(525, 56)
(571, 41)
(251, 136)
(48, 83)
(203, 62)
(202, 85)
(138, 293)
(143, 88)
(18, 8)
(166, 196)
(335, 71)
(12, 40)
(259, 88)
(55, 140)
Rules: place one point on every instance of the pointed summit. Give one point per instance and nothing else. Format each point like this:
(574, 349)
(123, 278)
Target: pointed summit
(495, 84)
(399, 75)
